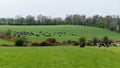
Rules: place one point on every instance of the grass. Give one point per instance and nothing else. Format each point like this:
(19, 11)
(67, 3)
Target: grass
(86, 31)
(59, 57)
(5, 42)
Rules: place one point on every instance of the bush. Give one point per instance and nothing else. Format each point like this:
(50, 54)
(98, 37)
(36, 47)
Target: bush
(75, 43)
(106, 40)
(69, 41)
(45, 43)
(82, 41)
(8, 32)
(89, 43)
(5, 33)
(95, 41)
(51, 40)
(9, 38)
(34, 43)
(58, 43)
(19, 42)
(64, 42)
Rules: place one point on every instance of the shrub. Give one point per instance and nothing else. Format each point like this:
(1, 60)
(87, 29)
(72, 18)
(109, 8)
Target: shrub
(19, 42)
(5, 33)
(9, 38)
(58, 43)
(64, 43)
(45, 43)
(75, 43)
(95, 41)
(34, 43)
(8, 32)
(105, 40)
(69, 41)
(23, 37)
(82, 41)
(51, 40)
(89, 43)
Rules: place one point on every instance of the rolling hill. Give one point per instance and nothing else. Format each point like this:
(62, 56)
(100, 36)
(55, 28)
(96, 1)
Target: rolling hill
(77, 31)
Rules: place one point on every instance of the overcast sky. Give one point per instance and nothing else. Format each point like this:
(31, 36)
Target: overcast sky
(58, 8)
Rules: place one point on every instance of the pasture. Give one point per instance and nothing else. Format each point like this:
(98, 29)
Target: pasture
(59, 57)
(61, 32)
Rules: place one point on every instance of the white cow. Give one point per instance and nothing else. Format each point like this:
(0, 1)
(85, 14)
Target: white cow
(100, 44)
(116, 44)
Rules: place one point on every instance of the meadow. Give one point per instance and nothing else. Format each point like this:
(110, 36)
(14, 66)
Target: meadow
(88, 32)
(59, 57)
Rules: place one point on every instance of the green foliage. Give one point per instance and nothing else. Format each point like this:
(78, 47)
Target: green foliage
(105, 39)
(95, 40)
(8, 32)
(75, 43)
(107, 22)
(19, 42)
(4, 33)
(51, 40)
(82, 41)
(48, 42)
(89, 43)
(45, 43)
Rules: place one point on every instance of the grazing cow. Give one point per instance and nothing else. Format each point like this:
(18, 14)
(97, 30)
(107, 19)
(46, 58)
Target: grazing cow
(101, 44)
(116, 44)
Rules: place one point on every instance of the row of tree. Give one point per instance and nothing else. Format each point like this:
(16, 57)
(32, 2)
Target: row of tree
(108, 22)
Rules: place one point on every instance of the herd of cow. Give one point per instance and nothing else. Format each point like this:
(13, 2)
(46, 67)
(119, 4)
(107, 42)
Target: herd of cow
(41, 33)
(59, 34)
(108, 45)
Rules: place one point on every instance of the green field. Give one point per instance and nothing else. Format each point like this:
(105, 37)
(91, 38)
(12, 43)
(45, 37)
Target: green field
(59, 57)
(88, 32)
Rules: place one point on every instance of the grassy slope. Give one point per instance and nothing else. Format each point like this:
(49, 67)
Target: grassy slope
(89, 32)
(59, 57)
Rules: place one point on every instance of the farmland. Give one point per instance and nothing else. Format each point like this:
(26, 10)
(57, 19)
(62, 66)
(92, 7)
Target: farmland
(59, 34)
(88, 32)
(59, 57)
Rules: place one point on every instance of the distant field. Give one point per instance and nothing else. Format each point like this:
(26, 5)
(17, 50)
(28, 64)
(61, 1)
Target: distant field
(59, 57)
(88, 32)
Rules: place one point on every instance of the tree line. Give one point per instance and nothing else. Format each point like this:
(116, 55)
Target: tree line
(111, 22)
